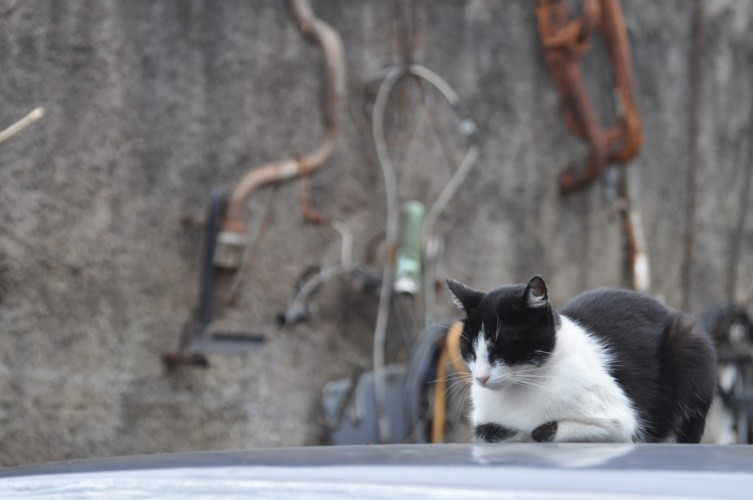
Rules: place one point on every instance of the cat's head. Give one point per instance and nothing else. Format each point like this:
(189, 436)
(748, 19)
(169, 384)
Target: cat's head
(508, 333)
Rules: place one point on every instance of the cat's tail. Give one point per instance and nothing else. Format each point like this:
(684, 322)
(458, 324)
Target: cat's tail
(690, 359)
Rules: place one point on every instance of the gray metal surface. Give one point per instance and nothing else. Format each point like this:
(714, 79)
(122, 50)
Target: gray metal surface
(351, 413)
(435, 471)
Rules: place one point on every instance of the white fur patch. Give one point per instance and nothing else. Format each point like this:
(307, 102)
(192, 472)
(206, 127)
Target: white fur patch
(535, 301)
(573, 387)
(480, 367)
(456, 301)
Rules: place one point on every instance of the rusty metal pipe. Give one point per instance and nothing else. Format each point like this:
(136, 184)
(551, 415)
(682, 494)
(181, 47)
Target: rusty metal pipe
(616, 40)
(323, 35)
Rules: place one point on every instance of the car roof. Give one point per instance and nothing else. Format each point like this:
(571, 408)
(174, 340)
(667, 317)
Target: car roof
(519, 470)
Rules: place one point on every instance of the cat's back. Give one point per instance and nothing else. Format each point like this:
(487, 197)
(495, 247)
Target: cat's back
(614, 312)
(654, 352)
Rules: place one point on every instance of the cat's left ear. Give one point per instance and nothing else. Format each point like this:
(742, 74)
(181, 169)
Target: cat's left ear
(535, 295)
(465, 297)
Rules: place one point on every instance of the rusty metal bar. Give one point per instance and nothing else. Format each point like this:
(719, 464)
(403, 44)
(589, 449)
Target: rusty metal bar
(565, 40)
(636, 272)
(323, 35)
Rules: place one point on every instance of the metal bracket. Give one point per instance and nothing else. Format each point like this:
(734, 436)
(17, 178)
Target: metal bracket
(197, 340)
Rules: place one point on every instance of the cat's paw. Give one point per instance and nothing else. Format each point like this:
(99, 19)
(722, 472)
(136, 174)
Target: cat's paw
(492, 433)
(545, 432)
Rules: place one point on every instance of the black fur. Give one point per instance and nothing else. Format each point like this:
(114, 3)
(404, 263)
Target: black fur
(492, 433)
(525, 335)
(545, 432)
(662, 360)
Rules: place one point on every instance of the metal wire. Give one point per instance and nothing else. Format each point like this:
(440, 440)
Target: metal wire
(385, 293)
(468, 129)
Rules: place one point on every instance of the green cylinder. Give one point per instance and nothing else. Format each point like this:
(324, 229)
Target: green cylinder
(408, 265)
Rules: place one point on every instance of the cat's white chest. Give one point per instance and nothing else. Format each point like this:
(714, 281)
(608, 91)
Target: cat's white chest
(517, 407)
(573, 385)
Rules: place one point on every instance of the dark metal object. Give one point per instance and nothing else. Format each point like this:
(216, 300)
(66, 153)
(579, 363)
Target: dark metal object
(298, 311)
(225, 241)
(350, 412)
(196, 338)
(732, 330)
(421, 374)
(565, 40)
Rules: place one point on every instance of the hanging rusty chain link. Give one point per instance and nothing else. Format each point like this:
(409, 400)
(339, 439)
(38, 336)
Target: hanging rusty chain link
(565, 40)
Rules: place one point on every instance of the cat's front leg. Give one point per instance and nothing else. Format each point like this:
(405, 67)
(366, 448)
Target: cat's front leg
(493, 433)
(572, 431)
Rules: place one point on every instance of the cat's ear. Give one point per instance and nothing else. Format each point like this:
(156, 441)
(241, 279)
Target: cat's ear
(465, 298)
(535, 295)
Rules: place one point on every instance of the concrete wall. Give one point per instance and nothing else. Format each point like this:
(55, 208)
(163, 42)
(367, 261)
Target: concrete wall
(151, 104)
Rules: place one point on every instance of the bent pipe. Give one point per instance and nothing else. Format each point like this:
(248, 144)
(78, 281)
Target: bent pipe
(322, 34)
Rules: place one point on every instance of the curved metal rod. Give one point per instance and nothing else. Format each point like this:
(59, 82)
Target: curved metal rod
(385, 293)
(323, 35)
(388, 171)
(298, 302)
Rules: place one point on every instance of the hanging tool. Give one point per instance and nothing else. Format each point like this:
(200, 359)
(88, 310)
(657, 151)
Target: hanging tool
(225, 237)
(565, 40)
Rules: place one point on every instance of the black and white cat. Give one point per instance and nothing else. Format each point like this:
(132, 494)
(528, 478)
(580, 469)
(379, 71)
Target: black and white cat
(611, 366)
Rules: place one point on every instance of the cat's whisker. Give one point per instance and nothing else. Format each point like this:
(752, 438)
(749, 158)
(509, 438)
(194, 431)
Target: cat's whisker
(465, 398)
(522, 372)
(453, 376)
(446, 324)
(461, 394)
(454, 360)
(451, 380)
(458, 384)
(458, 390)
(457, 381)
(499, 326)
(533, 383)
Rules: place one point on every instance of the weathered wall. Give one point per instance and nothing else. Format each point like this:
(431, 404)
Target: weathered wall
(151, 104)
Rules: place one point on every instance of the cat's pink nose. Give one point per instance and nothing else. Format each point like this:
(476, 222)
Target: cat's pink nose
(483, 379)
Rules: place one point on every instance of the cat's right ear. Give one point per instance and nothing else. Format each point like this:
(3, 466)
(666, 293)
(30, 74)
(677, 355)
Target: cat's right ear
(535, 295)
(465, 298)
